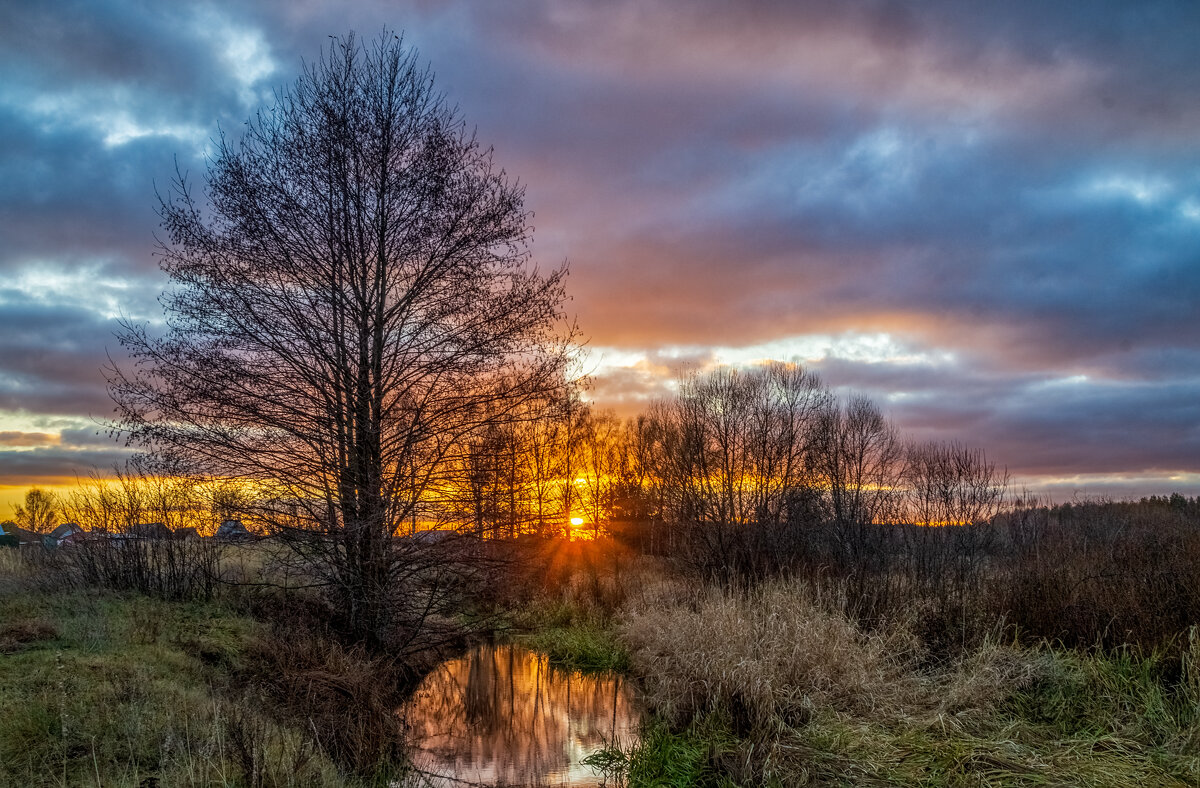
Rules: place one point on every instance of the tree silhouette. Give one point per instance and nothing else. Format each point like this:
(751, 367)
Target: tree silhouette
(352, 305)
(39, 511)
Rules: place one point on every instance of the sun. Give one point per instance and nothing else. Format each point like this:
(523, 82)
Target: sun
(576, 521)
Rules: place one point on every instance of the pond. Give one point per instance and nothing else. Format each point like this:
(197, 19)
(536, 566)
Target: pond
(501, 715)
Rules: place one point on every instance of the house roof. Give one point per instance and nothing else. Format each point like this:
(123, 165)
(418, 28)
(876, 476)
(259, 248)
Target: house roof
(25, 536)
(66, 529)
(232, 528)
(150, 530)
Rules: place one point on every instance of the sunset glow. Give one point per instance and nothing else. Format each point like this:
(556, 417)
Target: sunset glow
(982, 218)
(587, 394)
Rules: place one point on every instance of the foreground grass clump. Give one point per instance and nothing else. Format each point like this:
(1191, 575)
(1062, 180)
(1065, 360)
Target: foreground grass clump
(769, 656)
(664, 757)
(583, 646)
(774, 686)
(572, 636)
(123, 690)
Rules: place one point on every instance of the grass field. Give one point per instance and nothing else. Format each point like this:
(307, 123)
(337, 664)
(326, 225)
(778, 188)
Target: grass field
(118, 689)
(771, 682)
(768, 687)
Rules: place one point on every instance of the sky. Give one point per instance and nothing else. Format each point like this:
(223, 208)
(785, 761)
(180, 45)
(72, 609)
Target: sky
(986, 216)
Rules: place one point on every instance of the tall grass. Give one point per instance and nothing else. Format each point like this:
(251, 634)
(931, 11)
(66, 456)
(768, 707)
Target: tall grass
(809, 696)
(770, 655)
(129, 691)
(107, 687)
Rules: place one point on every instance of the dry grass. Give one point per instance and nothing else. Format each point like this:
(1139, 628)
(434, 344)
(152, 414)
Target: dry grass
(771, 656)
(776, 686)
(16, 574)
(343, 695)
(17, 635)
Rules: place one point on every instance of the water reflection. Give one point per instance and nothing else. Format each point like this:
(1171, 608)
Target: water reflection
(502, 716)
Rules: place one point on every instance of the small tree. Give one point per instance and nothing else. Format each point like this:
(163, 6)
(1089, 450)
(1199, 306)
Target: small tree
(952, 484)
(352, 306)
(859, 460)
(39, 512)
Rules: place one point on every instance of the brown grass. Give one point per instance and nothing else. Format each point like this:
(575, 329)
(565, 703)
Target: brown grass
(16, 635)
(344, 695)
(771, 655)
(777, 653)
(807, 696)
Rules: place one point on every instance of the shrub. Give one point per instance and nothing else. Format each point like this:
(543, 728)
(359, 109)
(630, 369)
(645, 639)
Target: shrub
(770, 656)
(178, 569)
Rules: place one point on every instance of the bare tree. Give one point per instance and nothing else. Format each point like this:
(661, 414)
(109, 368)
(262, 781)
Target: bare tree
(739, 439)
(121, 552)
(544, 437)
(352, 305)
(140, 493)
(951, 493)
(600, 466)
(39, 512)
(729, 459)
(952, 484)
(858, 458)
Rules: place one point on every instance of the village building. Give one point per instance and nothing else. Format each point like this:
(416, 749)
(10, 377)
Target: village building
(67, 533)
(149, 531)
(233, 531)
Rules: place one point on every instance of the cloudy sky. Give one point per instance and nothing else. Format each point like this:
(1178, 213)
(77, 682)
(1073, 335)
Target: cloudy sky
(986, 216)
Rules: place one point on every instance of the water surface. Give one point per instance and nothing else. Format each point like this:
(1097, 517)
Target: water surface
(500, 715)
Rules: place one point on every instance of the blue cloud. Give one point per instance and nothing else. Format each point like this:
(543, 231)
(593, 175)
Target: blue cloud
(1015, 186)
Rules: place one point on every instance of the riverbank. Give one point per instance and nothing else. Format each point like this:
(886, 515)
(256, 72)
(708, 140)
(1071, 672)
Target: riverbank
(107, 688)
(773, 684)
(763, 684)
(117, 690)
(770, 687)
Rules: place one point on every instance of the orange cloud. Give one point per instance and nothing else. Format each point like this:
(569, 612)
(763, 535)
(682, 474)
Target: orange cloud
(25, 439)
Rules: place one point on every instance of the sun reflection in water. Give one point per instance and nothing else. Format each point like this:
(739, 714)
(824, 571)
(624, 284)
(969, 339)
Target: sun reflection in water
(502, 716)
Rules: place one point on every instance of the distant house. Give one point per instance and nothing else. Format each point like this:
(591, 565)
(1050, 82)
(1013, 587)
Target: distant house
(149, 531)
(24, 536)
(67, 533)
(187, 532)
(233, 531)
(431, 536)
(8, 537)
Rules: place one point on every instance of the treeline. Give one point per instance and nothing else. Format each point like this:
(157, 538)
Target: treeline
(750, 474)
(131, 497)
(768, 447)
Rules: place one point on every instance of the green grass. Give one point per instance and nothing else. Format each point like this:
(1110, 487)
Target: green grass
(1094, 720)
(666, 758)
(581, 646)
(114, 690)
(1121, 694)
(571, 636)
(1012, 752)
(1006, 749)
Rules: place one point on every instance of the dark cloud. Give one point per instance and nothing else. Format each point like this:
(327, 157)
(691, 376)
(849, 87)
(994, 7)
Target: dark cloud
(56, 466)
(1038, 425)
(1011, 192)
(64, 196)
(52, 357)
(27, 439)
